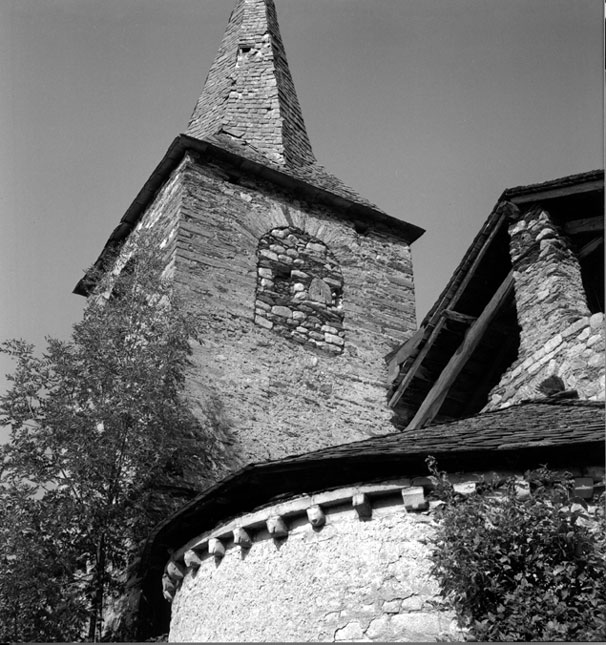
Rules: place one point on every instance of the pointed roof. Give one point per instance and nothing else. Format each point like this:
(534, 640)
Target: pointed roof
(249, 92)
(249, 116)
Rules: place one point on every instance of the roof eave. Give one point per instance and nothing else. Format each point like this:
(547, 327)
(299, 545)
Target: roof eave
(260, 482)
(184, 143)
(562, 187)
(511, 201)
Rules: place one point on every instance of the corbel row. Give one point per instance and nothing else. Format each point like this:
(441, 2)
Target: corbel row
(275, 521)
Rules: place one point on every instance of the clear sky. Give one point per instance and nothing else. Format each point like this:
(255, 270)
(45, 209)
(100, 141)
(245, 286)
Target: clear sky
(429, 108)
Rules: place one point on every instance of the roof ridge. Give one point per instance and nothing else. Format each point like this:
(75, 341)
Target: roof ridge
(566, 180)
(249, 91)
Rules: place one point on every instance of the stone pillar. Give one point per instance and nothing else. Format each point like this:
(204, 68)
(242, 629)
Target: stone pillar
(558, 335)
(548, 286)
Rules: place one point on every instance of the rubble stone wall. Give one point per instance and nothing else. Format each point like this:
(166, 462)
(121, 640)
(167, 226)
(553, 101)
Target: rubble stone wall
(349, 564)
(281, 394)
(558, 334)
(300, 289)
(348, 580)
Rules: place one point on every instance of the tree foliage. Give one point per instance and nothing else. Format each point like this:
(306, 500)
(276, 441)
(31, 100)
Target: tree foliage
(522, 563)
(98, 426)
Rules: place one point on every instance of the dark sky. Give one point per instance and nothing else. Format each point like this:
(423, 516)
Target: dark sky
(429, 108)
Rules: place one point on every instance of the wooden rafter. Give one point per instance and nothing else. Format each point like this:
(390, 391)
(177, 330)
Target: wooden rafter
(494, 371)
(456, 316)
(590, 247)
(504, 208)
(432, 403)
(585, 225)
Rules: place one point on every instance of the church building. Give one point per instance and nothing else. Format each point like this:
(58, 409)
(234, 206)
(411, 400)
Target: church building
(332, 397)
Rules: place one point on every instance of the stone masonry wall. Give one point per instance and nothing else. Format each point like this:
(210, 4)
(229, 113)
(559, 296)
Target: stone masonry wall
(300, 289)
(279, 396)
(348, 579)
(558, 335)
(161, 220)
(349, 564)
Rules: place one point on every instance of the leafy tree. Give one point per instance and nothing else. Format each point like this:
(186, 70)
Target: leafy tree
(522, 567)
(100, 432)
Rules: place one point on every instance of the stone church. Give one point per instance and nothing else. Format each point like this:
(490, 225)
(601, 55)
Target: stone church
(321, 527)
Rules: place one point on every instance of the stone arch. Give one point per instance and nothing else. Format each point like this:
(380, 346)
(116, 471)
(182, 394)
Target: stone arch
(299, 292)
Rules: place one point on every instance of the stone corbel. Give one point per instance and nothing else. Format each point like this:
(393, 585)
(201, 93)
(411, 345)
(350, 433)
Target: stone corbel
(192, 559)
(175, 571)
(362, 506)
(242, 538)
(216, 547)
(414, 499)
(316, 516)
(277, 527)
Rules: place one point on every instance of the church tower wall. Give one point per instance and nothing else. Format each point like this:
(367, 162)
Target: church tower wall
(283, 392)
(302, 285)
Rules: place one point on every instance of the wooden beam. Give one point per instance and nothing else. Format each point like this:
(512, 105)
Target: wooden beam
(586, 225)
(435, 397)
(405, 382)
(470, 272)
(499, 221)
(402, 354)
(458, 317)
(590, 247)
(496, 366)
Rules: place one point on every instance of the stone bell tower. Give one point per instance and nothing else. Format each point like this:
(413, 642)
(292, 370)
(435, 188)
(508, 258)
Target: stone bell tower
(303, 285)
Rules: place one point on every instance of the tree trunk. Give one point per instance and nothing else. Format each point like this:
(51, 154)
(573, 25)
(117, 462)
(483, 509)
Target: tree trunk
(96, 618)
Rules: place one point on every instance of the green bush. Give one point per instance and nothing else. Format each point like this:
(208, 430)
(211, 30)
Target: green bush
(522, 564)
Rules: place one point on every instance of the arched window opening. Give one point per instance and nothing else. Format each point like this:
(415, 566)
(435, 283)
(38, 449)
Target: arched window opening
(299, 289)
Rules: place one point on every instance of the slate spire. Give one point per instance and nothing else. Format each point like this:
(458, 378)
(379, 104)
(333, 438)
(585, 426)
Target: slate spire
(249, 92)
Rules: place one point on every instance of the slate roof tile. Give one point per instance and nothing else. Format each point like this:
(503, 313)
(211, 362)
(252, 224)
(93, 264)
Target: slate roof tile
(249, 89)
(544, 421)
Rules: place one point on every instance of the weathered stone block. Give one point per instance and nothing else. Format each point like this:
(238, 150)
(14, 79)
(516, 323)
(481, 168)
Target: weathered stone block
(551, 344)
(216, 548)
(391, 607)
(242, 538)
(269, 255)
(351, 632)
(283, 312)
(316, 516)
(419, 626)
(263, 322)
(192, 559)
(379, 628)
(277, 527)
(315, 248)
(175, 571)
(597, 321)
(414, 498)
(362, 506)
